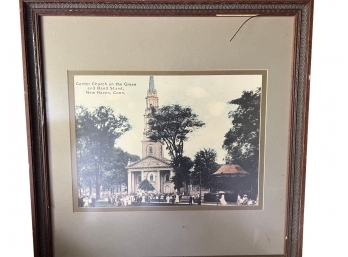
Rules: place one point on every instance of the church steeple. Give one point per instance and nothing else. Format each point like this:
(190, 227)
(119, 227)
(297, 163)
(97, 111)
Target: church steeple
(151, 98)
(150, 148)
(152, 86)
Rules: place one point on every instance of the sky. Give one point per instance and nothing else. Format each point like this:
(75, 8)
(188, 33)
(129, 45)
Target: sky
(207, 95)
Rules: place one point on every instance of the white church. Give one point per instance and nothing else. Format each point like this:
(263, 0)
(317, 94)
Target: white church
(152, 166)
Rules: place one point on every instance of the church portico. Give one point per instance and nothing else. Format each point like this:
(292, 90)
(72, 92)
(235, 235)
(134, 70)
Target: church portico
(157, 172)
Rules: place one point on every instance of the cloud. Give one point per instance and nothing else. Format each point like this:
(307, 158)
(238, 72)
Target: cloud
(217, 108)
(197, 92)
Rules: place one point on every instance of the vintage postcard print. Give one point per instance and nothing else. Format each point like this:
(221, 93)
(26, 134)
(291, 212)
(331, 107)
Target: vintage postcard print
(167, 140)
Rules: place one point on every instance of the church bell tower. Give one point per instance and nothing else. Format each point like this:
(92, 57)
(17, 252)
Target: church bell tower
(150, 148)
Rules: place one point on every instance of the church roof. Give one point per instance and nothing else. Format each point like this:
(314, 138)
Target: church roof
(151, 86)
(149, 162)
(230, 169)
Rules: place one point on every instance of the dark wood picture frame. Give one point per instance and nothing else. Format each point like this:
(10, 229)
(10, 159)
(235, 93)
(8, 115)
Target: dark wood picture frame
(32, 10)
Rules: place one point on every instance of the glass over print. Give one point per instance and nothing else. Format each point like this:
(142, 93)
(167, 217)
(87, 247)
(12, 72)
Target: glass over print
(200, 146)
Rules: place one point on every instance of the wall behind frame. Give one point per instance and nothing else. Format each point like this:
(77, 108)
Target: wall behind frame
(324, 223)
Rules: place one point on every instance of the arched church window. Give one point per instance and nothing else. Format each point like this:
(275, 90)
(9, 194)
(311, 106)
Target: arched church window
(151, 177)
(150, 150)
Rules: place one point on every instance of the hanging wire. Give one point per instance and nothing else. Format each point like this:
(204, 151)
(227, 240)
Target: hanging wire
(242, 26)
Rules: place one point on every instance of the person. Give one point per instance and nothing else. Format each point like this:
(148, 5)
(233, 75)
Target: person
(245, 200)
(80, 201)
(190, 200)
(86, 200)
(90, 201)
(93, 200)
(217, 199)
(239, 200)
(250, 202)
(222, 200)
(109, 200)
(257, 200)
(177, 198)
(199, 200)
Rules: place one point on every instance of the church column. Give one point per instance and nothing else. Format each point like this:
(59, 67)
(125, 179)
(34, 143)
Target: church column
(129, 187)
(158, 181)
(133, 182)
(172, 190)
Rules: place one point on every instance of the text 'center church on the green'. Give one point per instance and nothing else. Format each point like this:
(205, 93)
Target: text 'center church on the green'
(152, 166)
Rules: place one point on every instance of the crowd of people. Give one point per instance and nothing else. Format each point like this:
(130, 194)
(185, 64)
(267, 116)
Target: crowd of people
(246, 201)
(87, 201)
(240, 201)
(124, 199)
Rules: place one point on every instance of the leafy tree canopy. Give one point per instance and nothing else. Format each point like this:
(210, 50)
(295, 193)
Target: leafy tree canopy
(99, 128)
(183, 173)
(172, 124)
(242, 140)
(115, 173)
(204, 166)
(146, 186)
(96, 133)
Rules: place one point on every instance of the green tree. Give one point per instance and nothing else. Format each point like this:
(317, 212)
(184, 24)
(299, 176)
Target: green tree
(242, 140)
(115, 172)
(204, 166)
(85, 159)
(96, 133)
(172, 124)
(182, 176)
(146, 186)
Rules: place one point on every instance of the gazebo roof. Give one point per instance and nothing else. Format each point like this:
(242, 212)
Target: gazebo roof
(230, 169)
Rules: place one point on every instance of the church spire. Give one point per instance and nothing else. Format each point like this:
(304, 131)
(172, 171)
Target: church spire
(151, 86)
(150, 148)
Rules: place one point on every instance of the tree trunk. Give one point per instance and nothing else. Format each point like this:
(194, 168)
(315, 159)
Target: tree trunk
(97, 190)
(90, 187)
(186, 188)
(97, 184)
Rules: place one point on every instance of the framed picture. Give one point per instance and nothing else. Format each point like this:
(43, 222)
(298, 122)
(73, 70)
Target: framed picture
(167, 128)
